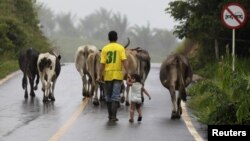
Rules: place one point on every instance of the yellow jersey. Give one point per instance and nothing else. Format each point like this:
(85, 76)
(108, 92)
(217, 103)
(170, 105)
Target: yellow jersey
(112, 56)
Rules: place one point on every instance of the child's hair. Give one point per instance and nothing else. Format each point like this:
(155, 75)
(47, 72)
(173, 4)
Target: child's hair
(136, 77)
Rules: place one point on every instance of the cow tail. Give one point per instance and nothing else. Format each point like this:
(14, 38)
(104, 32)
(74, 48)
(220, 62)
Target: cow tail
(181, 84)
(147, 68)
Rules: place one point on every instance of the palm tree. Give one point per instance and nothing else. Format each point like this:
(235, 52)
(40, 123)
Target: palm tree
(66, 25)
(120, 24)
(47, 20)
(165, 40)
(142, 36)
(97, 25)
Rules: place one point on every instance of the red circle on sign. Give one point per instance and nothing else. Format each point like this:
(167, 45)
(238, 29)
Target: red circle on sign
(241, 23)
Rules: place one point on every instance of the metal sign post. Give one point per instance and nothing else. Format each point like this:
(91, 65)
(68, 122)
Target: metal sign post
(233, 16)
(233, 50)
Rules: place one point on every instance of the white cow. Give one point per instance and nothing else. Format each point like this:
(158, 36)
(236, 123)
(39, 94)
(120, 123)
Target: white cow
(87, 64)
(49, 69)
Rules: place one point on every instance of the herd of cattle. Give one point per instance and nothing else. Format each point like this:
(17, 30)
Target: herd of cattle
(175, 73)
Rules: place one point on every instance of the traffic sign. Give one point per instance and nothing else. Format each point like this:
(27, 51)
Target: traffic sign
(233, 15)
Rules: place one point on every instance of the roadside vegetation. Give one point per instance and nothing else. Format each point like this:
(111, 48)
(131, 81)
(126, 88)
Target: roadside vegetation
(18, 30)
(222, 97)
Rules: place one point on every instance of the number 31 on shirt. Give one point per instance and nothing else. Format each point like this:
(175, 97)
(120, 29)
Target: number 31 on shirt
(111, 57)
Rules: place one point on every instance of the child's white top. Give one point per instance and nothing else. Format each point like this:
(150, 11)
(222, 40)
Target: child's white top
(136, 92)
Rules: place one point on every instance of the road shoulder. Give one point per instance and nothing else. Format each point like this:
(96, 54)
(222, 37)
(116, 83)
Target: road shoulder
(2, 81)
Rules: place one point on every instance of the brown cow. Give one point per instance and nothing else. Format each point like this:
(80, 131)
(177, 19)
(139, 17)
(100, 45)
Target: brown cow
(143, 63)
(175, 74)
(139, 63)
(93, 67)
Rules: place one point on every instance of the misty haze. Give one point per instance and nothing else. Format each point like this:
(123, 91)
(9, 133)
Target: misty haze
(67, 30)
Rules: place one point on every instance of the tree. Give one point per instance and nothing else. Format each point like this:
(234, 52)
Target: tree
(200, 21)
(66, 25)
(120, 24)
(26, 12)
(164, 39)
(97, 25)
(47, 20)
(93, 29)
(142, 36)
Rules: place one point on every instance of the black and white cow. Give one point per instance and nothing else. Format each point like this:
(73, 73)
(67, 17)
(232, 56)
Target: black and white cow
(27, 61)
(49, 69)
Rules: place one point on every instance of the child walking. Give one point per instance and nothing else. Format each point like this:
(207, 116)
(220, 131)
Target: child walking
(137, 90)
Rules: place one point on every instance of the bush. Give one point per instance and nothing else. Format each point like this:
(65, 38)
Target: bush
(225, 98)
(18, 30)
(13, 36)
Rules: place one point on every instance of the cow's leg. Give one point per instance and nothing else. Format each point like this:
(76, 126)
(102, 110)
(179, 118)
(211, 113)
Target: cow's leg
(174, 103)
(43, 81)
(95, 97)
(102, 96)
(84, 85)
(24, 85)
(122, 92)
(51, 96)
(182, 93)
(31, 80)
(37, 81)
(46, 92)
(91, 86)
(127, 95)
(179, 110)
(45, 98)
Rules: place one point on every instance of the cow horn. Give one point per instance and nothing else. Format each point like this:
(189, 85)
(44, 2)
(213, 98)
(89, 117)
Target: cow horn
(127, 43)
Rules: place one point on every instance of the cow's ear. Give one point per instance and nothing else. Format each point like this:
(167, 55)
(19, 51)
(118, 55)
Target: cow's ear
(59, 57)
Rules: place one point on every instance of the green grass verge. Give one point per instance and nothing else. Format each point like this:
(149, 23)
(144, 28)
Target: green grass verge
(7, 67)
(224, 98)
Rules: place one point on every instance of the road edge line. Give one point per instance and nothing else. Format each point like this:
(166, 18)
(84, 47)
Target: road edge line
(60, 132)
(189, 124)
(6, 78)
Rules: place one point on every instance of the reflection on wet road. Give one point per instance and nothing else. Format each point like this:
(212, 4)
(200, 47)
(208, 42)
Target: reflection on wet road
(69, 118)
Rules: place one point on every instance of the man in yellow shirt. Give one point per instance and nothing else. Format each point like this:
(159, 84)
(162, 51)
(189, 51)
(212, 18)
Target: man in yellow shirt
(113, 60)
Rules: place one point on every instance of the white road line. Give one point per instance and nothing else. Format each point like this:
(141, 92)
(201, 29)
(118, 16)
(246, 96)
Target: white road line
(60, 132)
(189, 124)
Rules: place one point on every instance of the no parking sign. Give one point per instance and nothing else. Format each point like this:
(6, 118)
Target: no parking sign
(233, 15)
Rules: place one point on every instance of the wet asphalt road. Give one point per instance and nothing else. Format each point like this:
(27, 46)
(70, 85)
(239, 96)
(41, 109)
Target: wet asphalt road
(31, 120)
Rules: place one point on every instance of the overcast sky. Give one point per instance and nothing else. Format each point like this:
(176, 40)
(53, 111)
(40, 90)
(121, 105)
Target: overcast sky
(140, 12)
